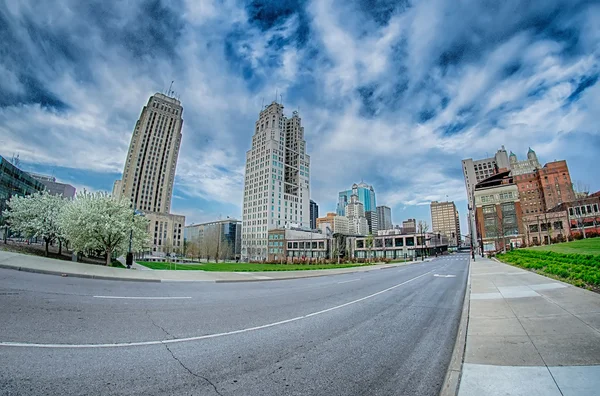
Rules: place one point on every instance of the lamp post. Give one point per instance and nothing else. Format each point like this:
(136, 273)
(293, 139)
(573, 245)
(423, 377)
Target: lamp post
(129, 257)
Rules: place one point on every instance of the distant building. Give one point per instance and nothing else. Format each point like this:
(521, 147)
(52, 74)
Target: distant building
(394, 245)
(355, 212)
(14, 181)
(54, 187)
(409, 226)
(444, 219)
(149, 171)
(526, 166)
(332, 223)
(227, 231)
(498, 212)
(314, 214)
(365, 193)
(289, 244)
(372, 221)
(384, 218)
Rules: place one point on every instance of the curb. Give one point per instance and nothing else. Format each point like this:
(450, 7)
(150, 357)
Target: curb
(101, 277)
(452, 380)
(65, 274)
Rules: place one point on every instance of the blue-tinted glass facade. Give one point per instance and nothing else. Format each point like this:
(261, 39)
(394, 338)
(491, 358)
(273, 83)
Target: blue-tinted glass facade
(13, 181)
(366, 195)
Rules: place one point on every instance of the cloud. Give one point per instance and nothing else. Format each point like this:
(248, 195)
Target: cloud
(395, 93)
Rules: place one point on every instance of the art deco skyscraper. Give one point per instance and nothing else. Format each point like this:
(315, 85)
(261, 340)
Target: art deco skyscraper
(149, 170)
(277, 180)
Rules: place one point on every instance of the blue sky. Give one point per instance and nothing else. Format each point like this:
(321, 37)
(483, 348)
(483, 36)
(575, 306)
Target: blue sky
(394, 93)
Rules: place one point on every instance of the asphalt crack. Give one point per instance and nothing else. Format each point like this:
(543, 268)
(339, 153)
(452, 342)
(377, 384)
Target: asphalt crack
(177, 359)
(159, 326)
(191, 372)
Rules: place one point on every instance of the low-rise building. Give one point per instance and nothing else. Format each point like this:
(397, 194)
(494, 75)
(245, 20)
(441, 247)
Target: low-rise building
(226, 234)
(53, 187)
(583, 214)
(545, 228)
(395, 246)
(288, 244)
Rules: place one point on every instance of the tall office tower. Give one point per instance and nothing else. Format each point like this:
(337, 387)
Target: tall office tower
(445, 220)
(475, 171)
(149, 170)
(314, 214)
(355, 212)
(384, 218)
(365, 193)
(277, 180)
(409, 226)
(372, 221)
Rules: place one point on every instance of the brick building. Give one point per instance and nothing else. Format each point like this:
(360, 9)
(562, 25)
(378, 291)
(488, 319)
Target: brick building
(498, 213)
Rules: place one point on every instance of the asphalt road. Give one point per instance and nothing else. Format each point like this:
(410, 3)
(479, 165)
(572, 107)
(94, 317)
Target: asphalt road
(384, 332)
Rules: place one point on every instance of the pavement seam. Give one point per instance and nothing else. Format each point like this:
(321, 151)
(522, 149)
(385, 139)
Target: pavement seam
(530, 340)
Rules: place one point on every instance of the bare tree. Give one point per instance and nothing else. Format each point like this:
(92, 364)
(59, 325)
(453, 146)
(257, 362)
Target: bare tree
(423, 227)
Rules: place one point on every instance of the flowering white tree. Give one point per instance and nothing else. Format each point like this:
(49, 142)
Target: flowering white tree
(36, 216)
(97, 221)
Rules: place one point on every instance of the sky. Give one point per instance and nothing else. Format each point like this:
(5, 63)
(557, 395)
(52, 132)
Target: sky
(395, 93)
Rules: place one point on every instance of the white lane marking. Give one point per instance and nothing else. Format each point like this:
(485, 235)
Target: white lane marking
(444, 276)
(143, 298)
(203, 337)
(348, 281)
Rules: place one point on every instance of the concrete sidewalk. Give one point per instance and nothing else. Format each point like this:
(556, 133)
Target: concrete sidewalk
(28, 263)
(529, 335)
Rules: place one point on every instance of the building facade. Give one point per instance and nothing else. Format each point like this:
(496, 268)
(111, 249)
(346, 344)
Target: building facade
(475, 171)
(526, 166)
(384, 218)
(372, 221)
(365, 193)
(546, 228)
(445, 220)
(583, 214)
(277, 180)
(355, 212)
(55, 188)
(314, 214)
(14, 181)
(227, 233)
(149, 171)
(289, 244)
(498, 213)
(409, 226)
(395, 245)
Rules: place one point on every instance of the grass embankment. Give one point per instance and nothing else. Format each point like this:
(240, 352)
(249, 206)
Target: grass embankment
(581, 270)
(583, 246)
(243, 267)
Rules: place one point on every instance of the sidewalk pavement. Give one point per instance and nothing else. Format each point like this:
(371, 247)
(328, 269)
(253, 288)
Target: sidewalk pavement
(23, 262)
(529, 335)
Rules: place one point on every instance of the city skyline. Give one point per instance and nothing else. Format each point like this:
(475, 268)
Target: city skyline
(69, 113)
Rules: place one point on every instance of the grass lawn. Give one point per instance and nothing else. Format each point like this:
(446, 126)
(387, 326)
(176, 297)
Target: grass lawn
(243, 267)
(583, 246)
(580, 269)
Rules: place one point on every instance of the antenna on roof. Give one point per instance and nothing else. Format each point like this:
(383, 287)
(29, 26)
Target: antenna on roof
(281, 96)
(170, 86)
(276, 92)
(262, 105)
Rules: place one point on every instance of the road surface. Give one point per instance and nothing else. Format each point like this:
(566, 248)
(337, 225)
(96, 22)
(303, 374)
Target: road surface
(384, 332)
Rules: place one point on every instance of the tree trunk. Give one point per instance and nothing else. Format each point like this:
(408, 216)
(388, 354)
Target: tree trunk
(59, 247)
(108, 257)
(47, 243)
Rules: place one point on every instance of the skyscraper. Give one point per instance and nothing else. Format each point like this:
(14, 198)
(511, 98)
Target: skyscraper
(277, 180)
(149, 170)
(365, 193)
(384, 218)
(355, 212)
(314, 214)
(445, 220)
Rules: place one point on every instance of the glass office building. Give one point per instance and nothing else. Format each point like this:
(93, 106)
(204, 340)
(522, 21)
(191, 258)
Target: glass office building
(14, 181)
(366, 196)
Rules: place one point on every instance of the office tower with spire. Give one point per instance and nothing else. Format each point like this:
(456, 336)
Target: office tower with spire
(277, 180)
(149, 171)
